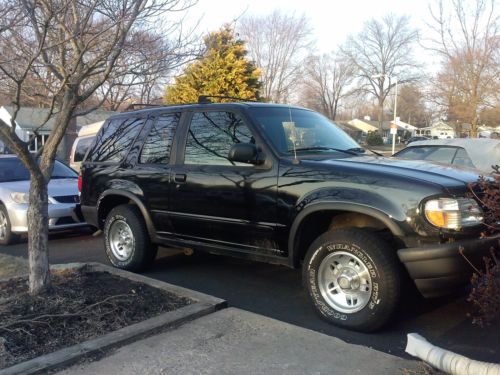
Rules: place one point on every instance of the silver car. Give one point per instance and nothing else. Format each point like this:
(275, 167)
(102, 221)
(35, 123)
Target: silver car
(477, 153)
(14, 193)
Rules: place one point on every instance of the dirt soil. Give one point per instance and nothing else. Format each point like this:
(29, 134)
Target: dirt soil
(11, 266)
(82, 305)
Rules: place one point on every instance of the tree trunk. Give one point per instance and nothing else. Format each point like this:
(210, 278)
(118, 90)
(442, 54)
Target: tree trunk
(380, 115)
(38, 249)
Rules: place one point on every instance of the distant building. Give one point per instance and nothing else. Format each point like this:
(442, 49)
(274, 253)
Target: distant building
(30, 119)
(404, 130)
(439, 130)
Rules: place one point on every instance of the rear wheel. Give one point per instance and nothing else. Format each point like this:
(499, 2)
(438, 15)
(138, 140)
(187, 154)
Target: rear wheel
(127, 240)
(7, 237)
(352, 278)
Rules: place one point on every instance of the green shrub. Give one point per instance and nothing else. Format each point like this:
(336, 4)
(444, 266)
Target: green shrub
(374, 139)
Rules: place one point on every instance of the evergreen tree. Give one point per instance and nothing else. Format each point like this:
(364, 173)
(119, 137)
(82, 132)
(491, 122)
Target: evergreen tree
(223, 70)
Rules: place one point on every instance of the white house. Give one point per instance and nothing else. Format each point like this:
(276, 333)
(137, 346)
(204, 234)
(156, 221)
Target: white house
(439, 130)
(22, 134)
(30, 119)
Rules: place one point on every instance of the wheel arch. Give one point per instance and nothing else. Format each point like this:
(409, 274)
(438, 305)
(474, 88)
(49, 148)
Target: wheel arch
(325, 212)
(112, 198)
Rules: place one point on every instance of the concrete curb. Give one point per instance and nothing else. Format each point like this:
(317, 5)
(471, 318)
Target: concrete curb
(203, 305)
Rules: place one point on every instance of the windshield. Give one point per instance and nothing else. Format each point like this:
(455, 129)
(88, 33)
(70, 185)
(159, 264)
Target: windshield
(307, 130)
(12, 169)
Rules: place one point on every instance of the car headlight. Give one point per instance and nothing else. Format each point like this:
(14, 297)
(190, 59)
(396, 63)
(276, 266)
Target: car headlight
(20, 197)
(453, 213)
(25, 198)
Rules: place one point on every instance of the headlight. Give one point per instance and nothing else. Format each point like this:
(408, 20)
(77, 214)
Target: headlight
(20, 197)
(452, 213)
(25, 198)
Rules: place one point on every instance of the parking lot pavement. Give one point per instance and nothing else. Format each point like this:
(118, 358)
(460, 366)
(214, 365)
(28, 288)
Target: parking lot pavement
(233, 341)
(276, 292)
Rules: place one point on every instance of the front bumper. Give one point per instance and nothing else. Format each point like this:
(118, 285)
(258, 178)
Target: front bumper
(62, 216)
(440, 269)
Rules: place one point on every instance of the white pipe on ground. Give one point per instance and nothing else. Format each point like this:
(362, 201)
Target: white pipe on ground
(447, 361)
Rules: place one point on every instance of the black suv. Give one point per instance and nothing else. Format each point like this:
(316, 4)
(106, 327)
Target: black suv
(284, 185)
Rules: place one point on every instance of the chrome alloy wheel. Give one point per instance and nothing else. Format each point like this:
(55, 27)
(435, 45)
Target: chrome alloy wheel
(344, 282)
(3, 225)
(121, 240)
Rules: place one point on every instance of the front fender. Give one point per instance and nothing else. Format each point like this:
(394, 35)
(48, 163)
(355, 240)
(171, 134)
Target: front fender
(395, 221)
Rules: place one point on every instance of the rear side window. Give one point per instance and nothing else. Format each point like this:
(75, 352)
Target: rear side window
(463, 159)
(156, 149)
(81, 148)
(431, 153)
(114, 140)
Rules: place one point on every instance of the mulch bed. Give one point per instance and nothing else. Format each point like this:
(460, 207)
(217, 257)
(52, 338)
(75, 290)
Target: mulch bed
(81, 306)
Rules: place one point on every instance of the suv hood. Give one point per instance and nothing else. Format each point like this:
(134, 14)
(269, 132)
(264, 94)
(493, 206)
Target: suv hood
(443, 175)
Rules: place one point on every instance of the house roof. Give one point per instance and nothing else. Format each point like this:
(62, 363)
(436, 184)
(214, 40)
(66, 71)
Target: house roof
(363, 125)
(29, 118)
(366, 125)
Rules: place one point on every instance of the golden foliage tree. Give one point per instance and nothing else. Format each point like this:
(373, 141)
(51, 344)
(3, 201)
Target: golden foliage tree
(223, 70)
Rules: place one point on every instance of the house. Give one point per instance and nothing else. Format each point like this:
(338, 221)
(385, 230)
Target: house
(353, 131)
(439, 130)
(30, 119)
(366, 125)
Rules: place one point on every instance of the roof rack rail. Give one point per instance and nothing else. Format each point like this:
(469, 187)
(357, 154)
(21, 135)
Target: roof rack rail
(205, 99)
(134, 106)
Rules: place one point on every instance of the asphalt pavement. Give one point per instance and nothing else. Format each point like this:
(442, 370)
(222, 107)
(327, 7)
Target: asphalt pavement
(276, 292)
(234, 341)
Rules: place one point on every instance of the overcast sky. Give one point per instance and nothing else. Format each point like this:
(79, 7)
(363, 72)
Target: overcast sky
(332, 20)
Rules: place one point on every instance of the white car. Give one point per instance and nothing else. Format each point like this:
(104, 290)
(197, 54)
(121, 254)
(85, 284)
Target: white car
(14, 193)
(477, 153)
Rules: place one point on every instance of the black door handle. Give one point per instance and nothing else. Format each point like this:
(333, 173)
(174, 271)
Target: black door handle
(180, 177)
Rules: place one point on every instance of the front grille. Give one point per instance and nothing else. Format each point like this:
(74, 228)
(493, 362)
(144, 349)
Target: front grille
(67, 199)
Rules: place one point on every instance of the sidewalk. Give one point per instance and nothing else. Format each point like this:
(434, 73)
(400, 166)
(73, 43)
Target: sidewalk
(234, 341)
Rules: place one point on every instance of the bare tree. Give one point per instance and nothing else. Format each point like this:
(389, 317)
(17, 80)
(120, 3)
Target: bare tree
(382, 53)
(466, 37)
(412, 105)
(328, 79)
(145, 65)
(72, 47)
(277, 43)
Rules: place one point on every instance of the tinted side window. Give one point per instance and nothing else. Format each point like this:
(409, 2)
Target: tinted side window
(462, 158)
(431, 153)
(81, 148)
(113, 142)
(157, 146)
(211, 135)
(442, 154)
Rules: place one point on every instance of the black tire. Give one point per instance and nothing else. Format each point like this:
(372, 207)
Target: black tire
(376, 303)
(143, 252)
(8, 238)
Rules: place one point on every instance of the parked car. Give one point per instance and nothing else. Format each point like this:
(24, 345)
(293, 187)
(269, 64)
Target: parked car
(14, 193)
(478, 153)
(86, 136)
(283, 185)
(414, 139)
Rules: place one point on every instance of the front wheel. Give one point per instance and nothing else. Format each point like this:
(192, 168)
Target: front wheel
(7, 237)
(127, 240)
(352, 278)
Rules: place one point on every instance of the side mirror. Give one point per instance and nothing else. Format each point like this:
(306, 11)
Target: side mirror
(244, 153)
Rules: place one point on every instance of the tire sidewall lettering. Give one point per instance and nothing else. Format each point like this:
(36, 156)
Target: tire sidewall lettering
(312, 280)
